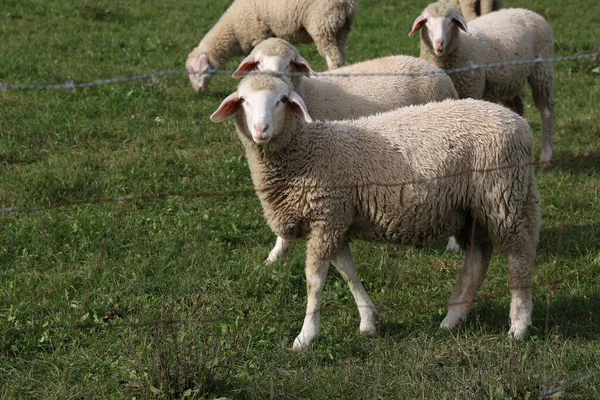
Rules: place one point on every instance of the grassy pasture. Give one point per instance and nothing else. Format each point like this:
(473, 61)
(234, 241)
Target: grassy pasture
(168, 298)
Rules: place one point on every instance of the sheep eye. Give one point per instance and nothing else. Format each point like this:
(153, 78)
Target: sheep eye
(242, 100)
(285, 100)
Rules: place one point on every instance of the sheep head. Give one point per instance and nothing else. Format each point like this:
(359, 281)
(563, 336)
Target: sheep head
(265, 101)
(276, 55)
(197, 66)
(442, 23)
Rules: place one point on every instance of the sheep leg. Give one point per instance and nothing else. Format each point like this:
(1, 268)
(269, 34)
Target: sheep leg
(477, 260)
(344, 263)
(521, 304)
(281, 245)
(516, 105)
(521, 254)
(469, 10)
(541, 89)
(487, 6)
(547, 125)
(316, 273)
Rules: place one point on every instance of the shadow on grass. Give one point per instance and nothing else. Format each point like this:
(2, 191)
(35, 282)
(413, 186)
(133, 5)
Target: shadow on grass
(576, 165)
(395, 330)
(570, 317)
(568, 240)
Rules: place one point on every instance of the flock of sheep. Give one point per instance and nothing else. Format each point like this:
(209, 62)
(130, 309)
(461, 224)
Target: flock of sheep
(394, 158)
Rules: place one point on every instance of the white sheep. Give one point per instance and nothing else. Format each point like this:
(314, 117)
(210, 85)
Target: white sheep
(248, 22)
(335, 97)
(409, 176)
(339, 95)
(472, 9)
(512, 34)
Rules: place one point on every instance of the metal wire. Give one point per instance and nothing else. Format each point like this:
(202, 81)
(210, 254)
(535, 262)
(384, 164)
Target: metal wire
(70, 85)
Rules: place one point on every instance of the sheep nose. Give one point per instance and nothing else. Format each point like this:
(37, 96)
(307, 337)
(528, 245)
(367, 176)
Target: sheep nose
(261, 128)
(439, 43)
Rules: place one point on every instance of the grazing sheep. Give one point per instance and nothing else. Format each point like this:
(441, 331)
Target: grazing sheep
(507, 35)
(472, 9)
(248, 22)
(331, 97)
(408, 176)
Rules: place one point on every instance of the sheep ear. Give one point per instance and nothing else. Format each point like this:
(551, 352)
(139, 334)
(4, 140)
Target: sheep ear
(228, 107)
(298, 106)
(201, 64)
(299, 64)
(461, 22)
(418, 24)
(248, 64)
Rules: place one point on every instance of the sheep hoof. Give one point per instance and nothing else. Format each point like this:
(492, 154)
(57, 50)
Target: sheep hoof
(368, 323)
(517, 332)
(546, 159)
(271, 259)
(451, 321)
(301, 342)
(370, 331)
(447, 325)
(545, 164)
(453, 245)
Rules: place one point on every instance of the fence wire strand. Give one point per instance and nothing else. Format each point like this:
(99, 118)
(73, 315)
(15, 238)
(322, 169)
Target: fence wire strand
(564, 385)
(70, 85)
(250, 191)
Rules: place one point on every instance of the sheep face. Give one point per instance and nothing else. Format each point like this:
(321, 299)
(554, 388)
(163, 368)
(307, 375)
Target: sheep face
(440, 30)
(273, 55)
(197, 68)
(264, 101)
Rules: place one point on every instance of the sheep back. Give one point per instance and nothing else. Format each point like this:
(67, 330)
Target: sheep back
(334, 97)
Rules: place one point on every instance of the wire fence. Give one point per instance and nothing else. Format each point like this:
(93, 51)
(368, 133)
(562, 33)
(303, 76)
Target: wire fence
(70, 85)
(251, 191)
(110, 322)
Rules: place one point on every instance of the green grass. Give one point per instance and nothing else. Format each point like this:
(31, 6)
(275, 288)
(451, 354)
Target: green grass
(81, 287)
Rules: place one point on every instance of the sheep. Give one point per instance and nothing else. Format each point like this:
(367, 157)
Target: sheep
(471, 9)
(279, 55)
(331, 97)
(407, 176)
(507, 35)
(248, 22)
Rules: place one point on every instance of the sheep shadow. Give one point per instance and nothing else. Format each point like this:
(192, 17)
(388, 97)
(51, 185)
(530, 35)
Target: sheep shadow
(576, 164)
(568, 316)
(568, 241)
